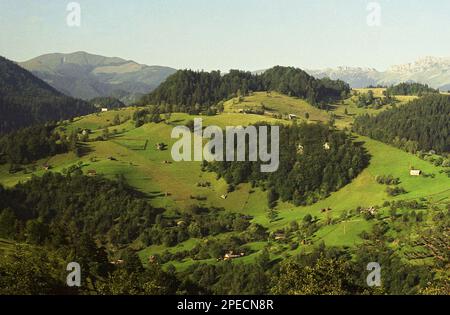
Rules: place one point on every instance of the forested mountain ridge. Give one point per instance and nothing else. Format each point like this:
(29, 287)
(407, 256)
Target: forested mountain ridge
(424, 124)
(191, 91)
(26, 100)
(87, 76)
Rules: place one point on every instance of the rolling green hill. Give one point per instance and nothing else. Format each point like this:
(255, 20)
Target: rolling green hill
(132, 152)
(194, 92)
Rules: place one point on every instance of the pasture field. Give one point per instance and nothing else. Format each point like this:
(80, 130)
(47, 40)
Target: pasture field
(274, 102)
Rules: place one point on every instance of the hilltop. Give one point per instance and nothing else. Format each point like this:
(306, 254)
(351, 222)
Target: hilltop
(194, 92)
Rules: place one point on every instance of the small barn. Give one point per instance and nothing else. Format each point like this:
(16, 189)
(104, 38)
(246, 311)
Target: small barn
(415, 172)
(104, 109)
(231, 255)
(292, 116)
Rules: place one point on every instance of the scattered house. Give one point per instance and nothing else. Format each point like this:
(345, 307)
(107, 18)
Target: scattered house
(111, 158)
(104, 109)
(230, 255)
(152, 259)
(181, 223)
(292, 116)
(117, 262)
(167, 162)
(415, 172)
(300, 149)
(326, 146)
(325, 210)
(224, 197)
(371, 210)
(92, 173)
(46, 167)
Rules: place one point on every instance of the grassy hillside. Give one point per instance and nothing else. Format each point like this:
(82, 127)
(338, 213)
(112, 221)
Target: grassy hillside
(172, 185)
(276, 103)
(344, 119)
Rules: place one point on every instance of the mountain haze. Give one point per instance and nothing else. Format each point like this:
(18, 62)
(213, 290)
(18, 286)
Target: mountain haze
(433, 71)
(87, 76)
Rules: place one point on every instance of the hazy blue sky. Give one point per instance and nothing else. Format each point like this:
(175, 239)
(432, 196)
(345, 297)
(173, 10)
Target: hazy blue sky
(245, 34)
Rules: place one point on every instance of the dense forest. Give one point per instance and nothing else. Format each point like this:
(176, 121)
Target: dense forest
(55, 209)
(26, 100)
(315, 160)
(424, 125)
(191, 91)
(30, 144)
(411, 88)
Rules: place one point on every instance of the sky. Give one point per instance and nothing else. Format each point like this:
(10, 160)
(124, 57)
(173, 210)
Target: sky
(232, 34)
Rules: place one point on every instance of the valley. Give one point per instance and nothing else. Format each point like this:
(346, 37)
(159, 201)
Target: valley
(131, 152)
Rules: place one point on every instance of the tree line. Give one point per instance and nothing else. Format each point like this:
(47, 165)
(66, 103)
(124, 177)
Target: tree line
(423, 124)
(411, 88)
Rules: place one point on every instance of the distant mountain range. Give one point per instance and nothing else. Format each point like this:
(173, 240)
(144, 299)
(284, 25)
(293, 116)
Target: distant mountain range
(27, 100)
(86, 76)
(429, 70)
